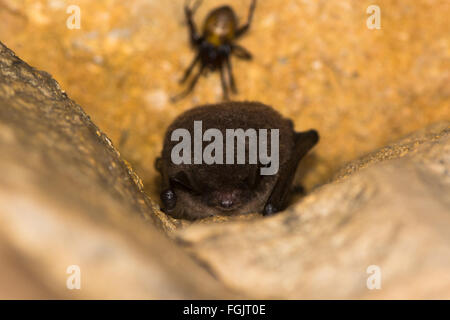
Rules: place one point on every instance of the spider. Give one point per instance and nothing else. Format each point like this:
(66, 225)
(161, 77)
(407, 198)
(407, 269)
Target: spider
(215, 46)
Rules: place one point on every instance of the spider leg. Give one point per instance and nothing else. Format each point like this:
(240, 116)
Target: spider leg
(190, 87)
(188, 71)
(241, 52)
(194, 8)
(246, 26)
(189, 12)
(304, 141)
(231, 75)
(224, 83)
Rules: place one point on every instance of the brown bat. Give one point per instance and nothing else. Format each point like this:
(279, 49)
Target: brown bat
(194, 189)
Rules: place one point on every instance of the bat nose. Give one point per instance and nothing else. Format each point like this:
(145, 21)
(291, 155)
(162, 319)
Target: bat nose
(226, 203)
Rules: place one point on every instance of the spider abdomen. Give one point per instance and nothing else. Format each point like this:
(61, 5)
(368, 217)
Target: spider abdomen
(220, 26)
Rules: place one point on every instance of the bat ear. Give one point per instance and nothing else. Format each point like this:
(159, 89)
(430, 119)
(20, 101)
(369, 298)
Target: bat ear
(306, 139)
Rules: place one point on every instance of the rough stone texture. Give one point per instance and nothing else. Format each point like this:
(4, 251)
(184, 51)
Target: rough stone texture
(315, 61)
(394, 213)
(66, 198)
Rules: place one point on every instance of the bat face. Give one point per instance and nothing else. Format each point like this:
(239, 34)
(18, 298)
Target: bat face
(218, 190)
(204, 174)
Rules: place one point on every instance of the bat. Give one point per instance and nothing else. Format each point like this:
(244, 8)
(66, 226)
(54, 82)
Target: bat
(194, 189)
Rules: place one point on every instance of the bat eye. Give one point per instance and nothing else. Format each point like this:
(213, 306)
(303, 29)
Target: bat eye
(169, 199)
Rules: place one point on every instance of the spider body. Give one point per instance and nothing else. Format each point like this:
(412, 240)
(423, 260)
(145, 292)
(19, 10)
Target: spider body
(212, 56)
(215, 45)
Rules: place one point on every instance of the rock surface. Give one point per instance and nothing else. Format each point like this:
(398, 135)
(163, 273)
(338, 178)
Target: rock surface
(392, 211)
(67, 198)
(314, 61)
